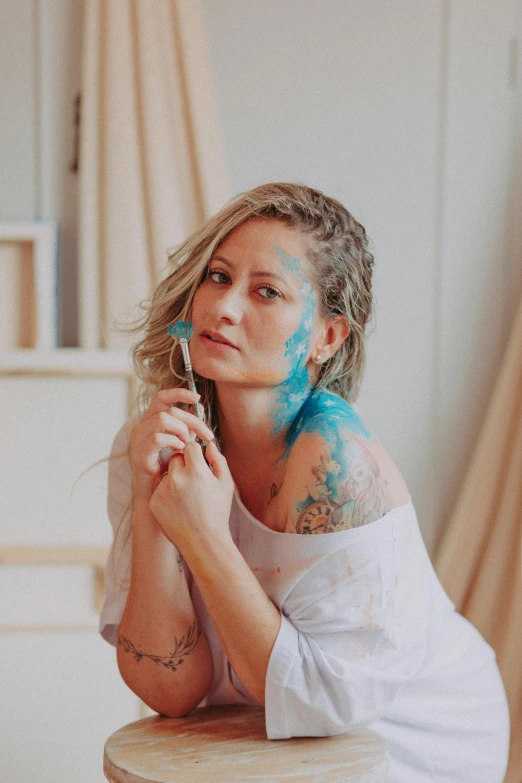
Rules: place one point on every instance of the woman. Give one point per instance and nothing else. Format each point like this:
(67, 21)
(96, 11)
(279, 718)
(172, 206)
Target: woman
(286, 566)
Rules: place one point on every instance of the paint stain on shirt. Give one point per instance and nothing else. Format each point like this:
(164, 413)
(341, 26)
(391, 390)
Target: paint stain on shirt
(267, 570)
(368, 610)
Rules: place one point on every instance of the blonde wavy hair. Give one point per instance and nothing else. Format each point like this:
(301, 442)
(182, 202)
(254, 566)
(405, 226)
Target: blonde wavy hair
(340, 264)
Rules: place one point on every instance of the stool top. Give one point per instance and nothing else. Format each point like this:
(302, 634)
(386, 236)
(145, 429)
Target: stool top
(228, 743)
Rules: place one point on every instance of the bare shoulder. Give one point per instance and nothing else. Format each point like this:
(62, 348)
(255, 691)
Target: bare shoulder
(338, 483)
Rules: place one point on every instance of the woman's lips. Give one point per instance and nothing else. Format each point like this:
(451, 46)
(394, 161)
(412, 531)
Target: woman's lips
(216, 344)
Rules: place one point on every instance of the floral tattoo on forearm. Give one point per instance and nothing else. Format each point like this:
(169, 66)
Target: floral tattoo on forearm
(185, 646)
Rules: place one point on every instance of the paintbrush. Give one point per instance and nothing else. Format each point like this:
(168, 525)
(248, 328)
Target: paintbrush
(182, 331)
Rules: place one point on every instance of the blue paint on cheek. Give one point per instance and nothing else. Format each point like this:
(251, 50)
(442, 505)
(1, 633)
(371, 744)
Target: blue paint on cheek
(293, 391)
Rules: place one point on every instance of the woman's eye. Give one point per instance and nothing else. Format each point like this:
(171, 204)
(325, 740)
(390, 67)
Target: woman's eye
(272, 290)
(217, 273)
(268, 287)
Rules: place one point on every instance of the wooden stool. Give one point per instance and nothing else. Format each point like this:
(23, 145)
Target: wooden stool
(228, 743)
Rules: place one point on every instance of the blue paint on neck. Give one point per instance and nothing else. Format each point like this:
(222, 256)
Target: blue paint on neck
(300, 407)
(325, 413)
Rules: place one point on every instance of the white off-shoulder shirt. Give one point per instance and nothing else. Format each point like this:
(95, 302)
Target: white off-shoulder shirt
(368, 638)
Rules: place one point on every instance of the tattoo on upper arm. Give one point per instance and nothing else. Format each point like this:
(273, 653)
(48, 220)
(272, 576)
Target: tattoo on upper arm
(179, 562)
(341, 503)
(184, 647)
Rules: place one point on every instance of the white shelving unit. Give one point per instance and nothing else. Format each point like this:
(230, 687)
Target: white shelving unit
(21, 371)
(59, 411)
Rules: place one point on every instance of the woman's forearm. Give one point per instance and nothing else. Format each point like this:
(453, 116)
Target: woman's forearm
(163, 656)
(246, 620)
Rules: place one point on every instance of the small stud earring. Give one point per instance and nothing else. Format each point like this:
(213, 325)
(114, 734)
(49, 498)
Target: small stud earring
(319, 358)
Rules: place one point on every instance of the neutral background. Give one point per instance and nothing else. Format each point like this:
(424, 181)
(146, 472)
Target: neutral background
(410, 113)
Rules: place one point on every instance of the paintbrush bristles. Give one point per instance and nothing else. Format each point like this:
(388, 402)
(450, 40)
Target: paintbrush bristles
(182, 330)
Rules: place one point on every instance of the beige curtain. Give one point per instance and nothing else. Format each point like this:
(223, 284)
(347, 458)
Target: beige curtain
(151, 155)
(479, 557)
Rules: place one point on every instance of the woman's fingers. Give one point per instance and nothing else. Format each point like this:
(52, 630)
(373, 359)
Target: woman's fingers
(181, 423)
(161, 445)
(165, 398)
(164, 429)
(162, 423)
(193, 423)
(165, 402)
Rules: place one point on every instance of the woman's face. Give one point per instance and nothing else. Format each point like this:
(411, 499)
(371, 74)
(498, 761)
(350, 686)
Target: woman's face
(258, 295)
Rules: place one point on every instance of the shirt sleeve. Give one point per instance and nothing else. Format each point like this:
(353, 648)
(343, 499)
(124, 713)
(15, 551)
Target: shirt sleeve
(343, 652)
(119, 509)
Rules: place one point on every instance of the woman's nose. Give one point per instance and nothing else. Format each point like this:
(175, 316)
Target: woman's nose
(227, 304)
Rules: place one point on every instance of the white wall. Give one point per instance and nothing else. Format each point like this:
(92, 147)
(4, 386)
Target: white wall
(405, 112)
(476, 278)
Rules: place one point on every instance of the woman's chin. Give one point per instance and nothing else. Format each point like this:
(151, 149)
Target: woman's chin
(211, 369)
(221, 372)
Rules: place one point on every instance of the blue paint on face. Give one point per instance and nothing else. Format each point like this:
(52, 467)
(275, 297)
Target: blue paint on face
(299, 405)
(292, 392)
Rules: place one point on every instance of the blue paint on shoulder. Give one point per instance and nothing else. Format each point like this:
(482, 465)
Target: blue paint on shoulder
(326, 414)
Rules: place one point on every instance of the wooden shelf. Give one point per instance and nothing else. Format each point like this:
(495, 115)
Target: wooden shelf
(55, 555)
(64, 361)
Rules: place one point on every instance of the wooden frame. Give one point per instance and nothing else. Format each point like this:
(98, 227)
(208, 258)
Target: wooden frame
(43, 235)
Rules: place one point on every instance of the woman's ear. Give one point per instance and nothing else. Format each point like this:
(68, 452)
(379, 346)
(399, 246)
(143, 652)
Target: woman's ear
(336, 331)
(343, 329)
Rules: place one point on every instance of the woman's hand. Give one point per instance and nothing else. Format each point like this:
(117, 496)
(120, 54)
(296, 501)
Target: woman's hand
(163, 430)
(192, 502)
